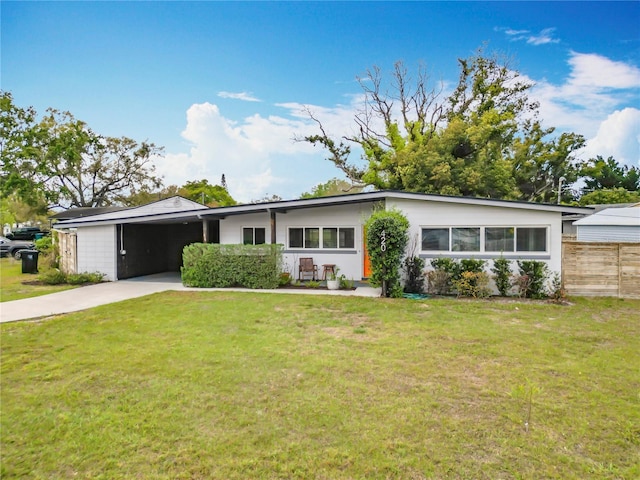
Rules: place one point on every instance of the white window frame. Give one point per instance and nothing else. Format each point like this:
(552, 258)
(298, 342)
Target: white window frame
(253, 230)
(321, 245)
(483, 249)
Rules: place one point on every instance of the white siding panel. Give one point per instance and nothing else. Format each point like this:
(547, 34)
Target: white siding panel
(426, 213)
(231, 227)
(97, 250)
(608, 233)
(350, 262)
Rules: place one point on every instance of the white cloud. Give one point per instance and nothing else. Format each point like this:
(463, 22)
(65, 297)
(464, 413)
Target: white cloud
(619, 137)
(544, 37)
(244, 96)
(594, 101)
(255, 154)
(598, 73)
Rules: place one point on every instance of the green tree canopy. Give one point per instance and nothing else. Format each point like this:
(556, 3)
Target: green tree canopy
(600, 174)
(335, 186)
(482, 140)
(61, 161)
(203, 192)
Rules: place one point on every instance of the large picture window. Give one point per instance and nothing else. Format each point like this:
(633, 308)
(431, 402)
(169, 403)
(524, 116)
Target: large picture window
(531, 239)
(436, 239)
(484, 239)
(465, 239)
(322, 237)
(498, 239)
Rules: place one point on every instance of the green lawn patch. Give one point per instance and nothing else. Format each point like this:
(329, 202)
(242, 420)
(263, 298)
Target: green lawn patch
(245, 385)
(15, 285)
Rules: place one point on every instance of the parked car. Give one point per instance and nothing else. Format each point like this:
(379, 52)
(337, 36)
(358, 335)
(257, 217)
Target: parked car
(26, 233)
(14, 247)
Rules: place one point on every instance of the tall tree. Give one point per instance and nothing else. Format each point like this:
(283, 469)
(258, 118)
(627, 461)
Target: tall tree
(60, 159)
(600, 174)
(475, 142)
(203, 192)
(335, 186)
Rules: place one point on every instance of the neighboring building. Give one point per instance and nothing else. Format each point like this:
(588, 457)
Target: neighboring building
(610, 225)
(149, 239)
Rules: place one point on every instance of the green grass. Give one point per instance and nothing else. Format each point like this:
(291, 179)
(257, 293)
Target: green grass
(12, 286)
(234, 386)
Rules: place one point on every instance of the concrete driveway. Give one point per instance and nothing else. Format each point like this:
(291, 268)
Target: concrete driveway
(110, 292)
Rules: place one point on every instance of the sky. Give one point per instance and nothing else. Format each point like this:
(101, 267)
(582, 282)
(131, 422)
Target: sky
(222, 86)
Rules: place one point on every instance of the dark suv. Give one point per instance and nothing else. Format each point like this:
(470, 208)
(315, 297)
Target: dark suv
(14, 247)
(26, 233)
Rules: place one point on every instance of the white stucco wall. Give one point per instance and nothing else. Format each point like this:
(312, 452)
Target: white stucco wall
(437, 214)
(97, 250)
(349, 261)
(231, 227)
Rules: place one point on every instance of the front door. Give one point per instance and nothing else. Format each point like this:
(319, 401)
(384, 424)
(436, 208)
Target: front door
(366, 272)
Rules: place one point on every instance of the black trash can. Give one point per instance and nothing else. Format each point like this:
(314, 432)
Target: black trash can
(29, 261)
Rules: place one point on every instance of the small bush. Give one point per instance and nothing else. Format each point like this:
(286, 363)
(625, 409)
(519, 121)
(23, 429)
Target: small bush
(502, 275)
(346, 284)
(473, 284)
(52, 276)
(471, 265)
(556, 289)
(44, 245)
(439, 282)
(82, 278)
(536, 273)
(413, 267)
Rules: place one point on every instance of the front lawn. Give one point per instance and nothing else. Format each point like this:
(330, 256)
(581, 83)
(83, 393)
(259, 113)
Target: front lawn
(15, 285)
(246, 385)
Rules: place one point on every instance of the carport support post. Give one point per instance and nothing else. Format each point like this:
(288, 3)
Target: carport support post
(272, 215)
(205, 231)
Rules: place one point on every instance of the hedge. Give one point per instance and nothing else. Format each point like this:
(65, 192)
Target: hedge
(209, 265)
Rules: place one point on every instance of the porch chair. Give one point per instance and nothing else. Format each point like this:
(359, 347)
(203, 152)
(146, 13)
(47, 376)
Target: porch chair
(307, 267)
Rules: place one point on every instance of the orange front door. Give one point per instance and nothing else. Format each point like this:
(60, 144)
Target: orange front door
(366, 273)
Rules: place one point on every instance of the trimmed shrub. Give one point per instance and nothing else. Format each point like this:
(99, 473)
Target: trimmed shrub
(209, 265)
(387, 240)
(473, 284)
(413, 267)
(502, 275)
(536, 274)
(454, 271)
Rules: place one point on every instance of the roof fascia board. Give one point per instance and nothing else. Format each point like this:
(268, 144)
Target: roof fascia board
(283, 206)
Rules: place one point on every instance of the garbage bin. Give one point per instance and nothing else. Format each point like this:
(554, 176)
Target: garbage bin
(38, 236)
(29, 261)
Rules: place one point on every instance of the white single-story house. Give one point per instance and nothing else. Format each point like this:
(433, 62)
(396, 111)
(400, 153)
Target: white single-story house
(610, 225)
(149, 239)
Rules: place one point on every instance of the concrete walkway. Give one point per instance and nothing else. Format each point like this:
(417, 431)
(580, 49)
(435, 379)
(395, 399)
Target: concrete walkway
(110, 292)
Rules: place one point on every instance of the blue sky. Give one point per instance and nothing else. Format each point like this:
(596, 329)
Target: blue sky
(220, 84)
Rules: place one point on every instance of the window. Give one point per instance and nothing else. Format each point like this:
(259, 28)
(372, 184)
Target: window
(435, 239)
(496, 239)
(253, 235)
(465, 239)
(531, 239)
(331, 237)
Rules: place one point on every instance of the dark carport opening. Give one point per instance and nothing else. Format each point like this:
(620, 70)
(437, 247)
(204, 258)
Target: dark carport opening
(145, 249)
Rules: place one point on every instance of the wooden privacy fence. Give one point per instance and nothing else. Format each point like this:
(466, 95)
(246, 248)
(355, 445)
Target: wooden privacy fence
(601, 269)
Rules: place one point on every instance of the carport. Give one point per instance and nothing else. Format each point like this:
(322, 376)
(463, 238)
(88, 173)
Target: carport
(148, 248)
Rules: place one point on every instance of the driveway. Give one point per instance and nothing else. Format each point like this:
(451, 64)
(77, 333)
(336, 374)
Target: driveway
(110, 292)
